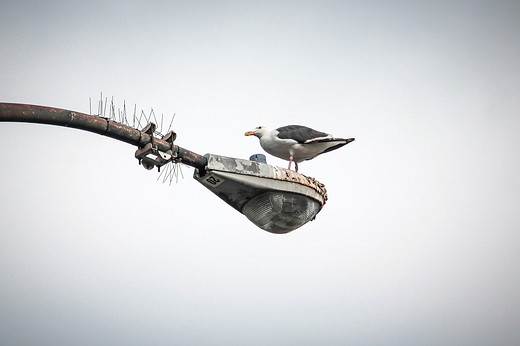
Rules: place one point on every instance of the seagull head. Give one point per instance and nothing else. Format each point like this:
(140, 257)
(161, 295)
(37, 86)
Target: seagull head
(259, 131)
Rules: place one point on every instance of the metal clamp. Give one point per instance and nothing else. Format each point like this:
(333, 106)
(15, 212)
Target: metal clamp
(150, 156)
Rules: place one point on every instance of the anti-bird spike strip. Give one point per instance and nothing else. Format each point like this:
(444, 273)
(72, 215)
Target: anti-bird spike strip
(121, 117)
(172, 169)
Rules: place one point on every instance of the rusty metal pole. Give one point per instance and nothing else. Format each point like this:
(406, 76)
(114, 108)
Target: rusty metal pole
(14, 112)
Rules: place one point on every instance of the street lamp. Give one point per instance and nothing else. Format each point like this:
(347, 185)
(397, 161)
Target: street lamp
(275, 199)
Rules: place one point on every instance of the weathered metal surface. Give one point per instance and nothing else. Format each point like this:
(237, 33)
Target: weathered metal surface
(263, 170)
(14, 112)
(237, 180)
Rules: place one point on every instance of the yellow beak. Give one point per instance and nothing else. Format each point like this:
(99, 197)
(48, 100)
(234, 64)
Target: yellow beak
(249, 133)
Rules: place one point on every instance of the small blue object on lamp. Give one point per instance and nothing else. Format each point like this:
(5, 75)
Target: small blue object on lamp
(258, 158)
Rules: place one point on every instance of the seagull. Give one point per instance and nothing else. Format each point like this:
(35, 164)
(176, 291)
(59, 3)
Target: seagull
(296, 143)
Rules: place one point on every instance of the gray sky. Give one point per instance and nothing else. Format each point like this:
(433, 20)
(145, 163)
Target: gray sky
(418, 243)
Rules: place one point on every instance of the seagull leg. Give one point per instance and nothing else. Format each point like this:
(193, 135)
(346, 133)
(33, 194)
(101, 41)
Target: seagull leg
(290, 162)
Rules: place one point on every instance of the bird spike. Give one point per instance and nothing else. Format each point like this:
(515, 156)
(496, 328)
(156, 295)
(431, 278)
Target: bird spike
(168, 172)
(171, 171)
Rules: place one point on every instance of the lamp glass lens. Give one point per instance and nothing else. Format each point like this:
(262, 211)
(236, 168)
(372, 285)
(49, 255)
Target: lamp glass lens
(280, 212)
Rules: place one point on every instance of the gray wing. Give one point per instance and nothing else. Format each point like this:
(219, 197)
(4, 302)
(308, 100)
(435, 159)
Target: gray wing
(299, 133)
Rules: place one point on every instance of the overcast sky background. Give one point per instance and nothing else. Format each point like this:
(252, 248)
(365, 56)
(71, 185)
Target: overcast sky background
(418, 243)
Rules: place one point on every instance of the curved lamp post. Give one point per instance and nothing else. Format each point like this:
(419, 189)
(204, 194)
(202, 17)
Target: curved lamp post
(275, 199)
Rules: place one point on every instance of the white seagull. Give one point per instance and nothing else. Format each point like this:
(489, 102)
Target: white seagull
(296, 143)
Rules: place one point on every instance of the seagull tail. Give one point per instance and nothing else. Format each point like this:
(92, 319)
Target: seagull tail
(340, 142)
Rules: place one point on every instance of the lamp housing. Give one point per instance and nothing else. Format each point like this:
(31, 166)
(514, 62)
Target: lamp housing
(275, 199)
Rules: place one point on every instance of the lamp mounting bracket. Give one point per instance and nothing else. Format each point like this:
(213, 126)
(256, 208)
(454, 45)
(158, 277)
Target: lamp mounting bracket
(150, 156)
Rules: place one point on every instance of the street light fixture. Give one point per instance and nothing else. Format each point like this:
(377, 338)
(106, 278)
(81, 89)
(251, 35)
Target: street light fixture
(275, 199)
